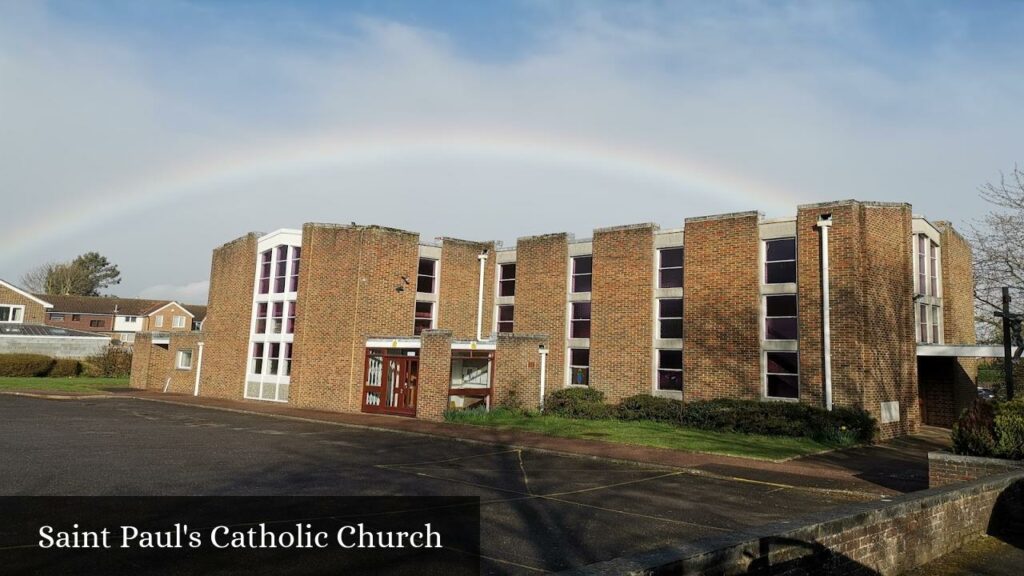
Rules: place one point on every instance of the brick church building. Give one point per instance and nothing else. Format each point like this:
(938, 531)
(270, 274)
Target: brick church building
(356, 318)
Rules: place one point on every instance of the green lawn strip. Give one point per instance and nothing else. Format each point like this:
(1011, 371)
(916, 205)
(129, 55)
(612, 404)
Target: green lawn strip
(80, 384)
(656, 434)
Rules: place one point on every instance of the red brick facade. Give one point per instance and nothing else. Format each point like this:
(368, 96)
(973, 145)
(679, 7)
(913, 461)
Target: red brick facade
(621, 321)
(359, 282)
(721, 308)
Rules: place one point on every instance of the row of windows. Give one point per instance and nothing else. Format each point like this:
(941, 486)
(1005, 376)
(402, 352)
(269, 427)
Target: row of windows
(927, 266)
(11, 313)
(277, 322)
(272, 358)
(176, 321)
(274, 267)
(670, 368)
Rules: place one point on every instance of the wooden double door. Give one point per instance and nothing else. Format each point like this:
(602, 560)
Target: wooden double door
(390, 381)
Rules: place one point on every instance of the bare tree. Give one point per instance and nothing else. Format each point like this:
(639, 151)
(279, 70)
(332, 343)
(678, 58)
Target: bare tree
(999, 250)
(61, 278)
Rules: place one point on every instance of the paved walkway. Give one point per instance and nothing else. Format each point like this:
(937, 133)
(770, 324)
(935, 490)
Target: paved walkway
(887, 468)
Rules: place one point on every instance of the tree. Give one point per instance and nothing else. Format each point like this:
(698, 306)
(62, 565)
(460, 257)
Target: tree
(86, 275)
(999, 251)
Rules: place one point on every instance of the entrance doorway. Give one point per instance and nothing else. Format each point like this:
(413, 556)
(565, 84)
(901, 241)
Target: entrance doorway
(390, 383)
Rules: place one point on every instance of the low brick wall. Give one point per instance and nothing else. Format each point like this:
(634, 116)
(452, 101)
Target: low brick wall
(947, 468)
(866, 538)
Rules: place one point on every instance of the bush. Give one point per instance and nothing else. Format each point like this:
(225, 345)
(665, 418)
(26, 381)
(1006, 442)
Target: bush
(1009, 430)
(65, 368)
(114, 362)
(584, 403)
(647, 407)
(974, 431)
(24, 364)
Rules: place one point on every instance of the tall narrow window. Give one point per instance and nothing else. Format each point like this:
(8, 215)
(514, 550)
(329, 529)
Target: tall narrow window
(933, 269)
(507, 280)
(922, 320)
(782, 375)
(670, 268)
(257, 358)
(290, 325)
(922, 264)
(505, 316)
(580, 325)
(261, 318)
(277, 318)
(296, 252)
(780, 317)
(424, 317)
(275, 358)
(579, 366)
(935, 325)
(280, 277)
(670, 370)
(780, 261)
(426, 276)
(265, 272)
(582, 273)
(288, 359)
(670, 318)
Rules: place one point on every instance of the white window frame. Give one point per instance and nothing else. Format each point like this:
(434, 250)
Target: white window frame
(158, 322)
(764, 266)
(573, 274)
(765, 374)
(660, 318)
(183, 353)
(796, 317)
(499, 321)
(15, 314)
(263, 385)
(433, 276)
(659, 369)
(177, 321)
(433, 314)
(571, 366)
(502, 280)
(662, 267)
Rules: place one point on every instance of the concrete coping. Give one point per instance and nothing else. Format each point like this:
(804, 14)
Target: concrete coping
(727, 216)
(552, 236)
(354, 226)
(715, 552)
(481, 243)
(964, 459)
(625, 227)
(869, 203)
(242, 238)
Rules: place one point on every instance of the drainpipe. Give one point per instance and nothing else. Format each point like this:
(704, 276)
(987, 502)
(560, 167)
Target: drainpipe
(480, 297)
(543, 372)
(824, 223)
(199, 368)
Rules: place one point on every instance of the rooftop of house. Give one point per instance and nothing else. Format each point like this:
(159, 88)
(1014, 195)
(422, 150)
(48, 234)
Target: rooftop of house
(109, 305)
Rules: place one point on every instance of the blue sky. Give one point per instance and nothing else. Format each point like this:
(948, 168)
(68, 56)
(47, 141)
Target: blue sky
(154, 131)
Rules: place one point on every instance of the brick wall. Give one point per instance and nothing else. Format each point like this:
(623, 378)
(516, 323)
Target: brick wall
(34, 311)
(517, 370)
(945, 468)
(541, 289)
(228, 318)
(183, 381)
(348, 290)
(867, 538)
(872, 319)
(84, 322)
(958, 310)
(622, 313)
(434, 374)
(150, 364)
(721, 308)
(937, 377)
(460, 285)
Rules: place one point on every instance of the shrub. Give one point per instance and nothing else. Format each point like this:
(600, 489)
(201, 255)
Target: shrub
(24, 364)
(1009, 430)
(64, 368)
(647, 407)
(114, 362)
(974, 431)
(583, 403)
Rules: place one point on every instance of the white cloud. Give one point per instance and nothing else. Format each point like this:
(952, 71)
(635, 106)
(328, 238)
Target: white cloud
(191, 293)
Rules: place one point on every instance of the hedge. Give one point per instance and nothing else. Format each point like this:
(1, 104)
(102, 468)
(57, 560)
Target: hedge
(22, 365)
(844, 425)
(65, 368)
(991, 429)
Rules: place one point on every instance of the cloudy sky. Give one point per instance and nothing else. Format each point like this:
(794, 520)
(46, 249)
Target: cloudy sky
(154, 131)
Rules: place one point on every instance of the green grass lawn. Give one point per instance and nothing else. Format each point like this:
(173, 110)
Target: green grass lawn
(80, 384)
(655, 434)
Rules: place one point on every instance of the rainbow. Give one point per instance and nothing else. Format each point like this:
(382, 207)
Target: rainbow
(93, 208)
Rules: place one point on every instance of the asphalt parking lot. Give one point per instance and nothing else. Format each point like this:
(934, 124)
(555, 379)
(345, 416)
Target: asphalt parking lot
(541, 512)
